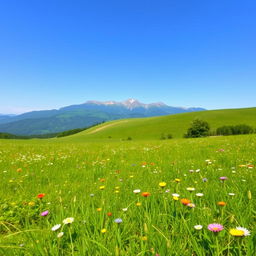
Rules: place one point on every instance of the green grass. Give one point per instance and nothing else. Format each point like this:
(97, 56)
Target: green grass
(177, 125)
(68, 171)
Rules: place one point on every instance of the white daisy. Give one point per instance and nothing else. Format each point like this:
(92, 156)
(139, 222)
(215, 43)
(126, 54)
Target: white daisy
(56, 227)
(198, 227)
(60, 234)
(245, 230)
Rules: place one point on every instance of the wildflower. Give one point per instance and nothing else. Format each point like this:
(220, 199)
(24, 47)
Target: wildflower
(125, 209)
(204, 179)
(31, 203)
(102, 180)
(199, 194)
(249, 195)
(191, 205)
(138, 204)
(185, 201)
(91, 195)
(99, 209)
(236, 232)
(104, 230)
(19, 170)
(231, 194)
(223, 178)
(215, 227)
(175, 198)
(109, 214)
(40, 196)
(246, 231)
(221, 203)
(56, 227)
(162, 184)
(177, 180)
(144, 238)
(68, 220)
(145, 194)
(136, 191)
(198, 227)
(191, 189)
(118, 220)
(45, 213)
(102, 187)
(175, 195)
(60, 234)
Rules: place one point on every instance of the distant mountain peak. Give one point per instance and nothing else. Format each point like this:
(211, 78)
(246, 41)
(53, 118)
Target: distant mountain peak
(130, 103)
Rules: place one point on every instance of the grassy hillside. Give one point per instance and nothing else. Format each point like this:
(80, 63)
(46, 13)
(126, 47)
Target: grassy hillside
(152, 128)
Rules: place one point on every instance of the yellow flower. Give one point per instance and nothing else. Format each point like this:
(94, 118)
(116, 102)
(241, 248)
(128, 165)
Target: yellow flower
(138, 204)
(102, 187)
(236, 232)
(99, 209)
(131, 176)
(175, 198)
(104, 230)
(162, 184)
(31, 203)
(117, 191)
(144, 238)
(177, 180)
(68, 220)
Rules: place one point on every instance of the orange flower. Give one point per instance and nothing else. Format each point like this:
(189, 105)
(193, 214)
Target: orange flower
(19, 170)
(102, 180)
(221, 203)
(145, 194)
(40, 196)
(109, 214)
(185, 201)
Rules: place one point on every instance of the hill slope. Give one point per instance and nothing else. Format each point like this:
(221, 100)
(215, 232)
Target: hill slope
(177, 125)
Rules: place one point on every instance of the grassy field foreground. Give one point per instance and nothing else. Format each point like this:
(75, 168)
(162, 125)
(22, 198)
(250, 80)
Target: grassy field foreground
(96, 192)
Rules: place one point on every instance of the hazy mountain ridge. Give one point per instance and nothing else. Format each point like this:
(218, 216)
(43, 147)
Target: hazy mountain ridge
(83, 115)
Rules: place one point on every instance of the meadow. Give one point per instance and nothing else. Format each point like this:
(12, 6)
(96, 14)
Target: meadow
(62, 197)
(152, 128)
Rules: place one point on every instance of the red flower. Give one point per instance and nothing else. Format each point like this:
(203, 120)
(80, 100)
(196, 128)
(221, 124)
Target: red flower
(40, 196)
(109, 214)
(145, 194)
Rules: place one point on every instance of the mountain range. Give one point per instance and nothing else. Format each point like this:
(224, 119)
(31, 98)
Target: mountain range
(83, 115)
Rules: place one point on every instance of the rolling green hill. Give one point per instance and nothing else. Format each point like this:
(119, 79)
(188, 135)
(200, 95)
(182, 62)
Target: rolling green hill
(154, 127)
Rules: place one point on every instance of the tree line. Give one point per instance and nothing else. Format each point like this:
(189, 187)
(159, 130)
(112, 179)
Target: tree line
(201, 128)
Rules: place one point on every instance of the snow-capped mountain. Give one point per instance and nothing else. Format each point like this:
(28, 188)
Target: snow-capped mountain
(83, 115)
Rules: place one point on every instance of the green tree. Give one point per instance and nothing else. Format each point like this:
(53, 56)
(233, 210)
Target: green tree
(198, 128)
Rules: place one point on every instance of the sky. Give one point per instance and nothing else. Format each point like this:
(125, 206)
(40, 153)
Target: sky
(55, 53)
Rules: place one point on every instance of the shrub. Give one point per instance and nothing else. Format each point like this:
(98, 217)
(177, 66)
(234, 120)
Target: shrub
(166, 136)
(234, 129)
(198, 128)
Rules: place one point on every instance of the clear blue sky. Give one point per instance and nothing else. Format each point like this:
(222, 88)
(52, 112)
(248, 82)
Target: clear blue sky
(184, 53)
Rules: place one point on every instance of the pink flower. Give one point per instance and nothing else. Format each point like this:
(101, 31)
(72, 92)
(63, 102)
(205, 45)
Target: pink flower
(45, 213)
(215, 227)
(223, 178)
